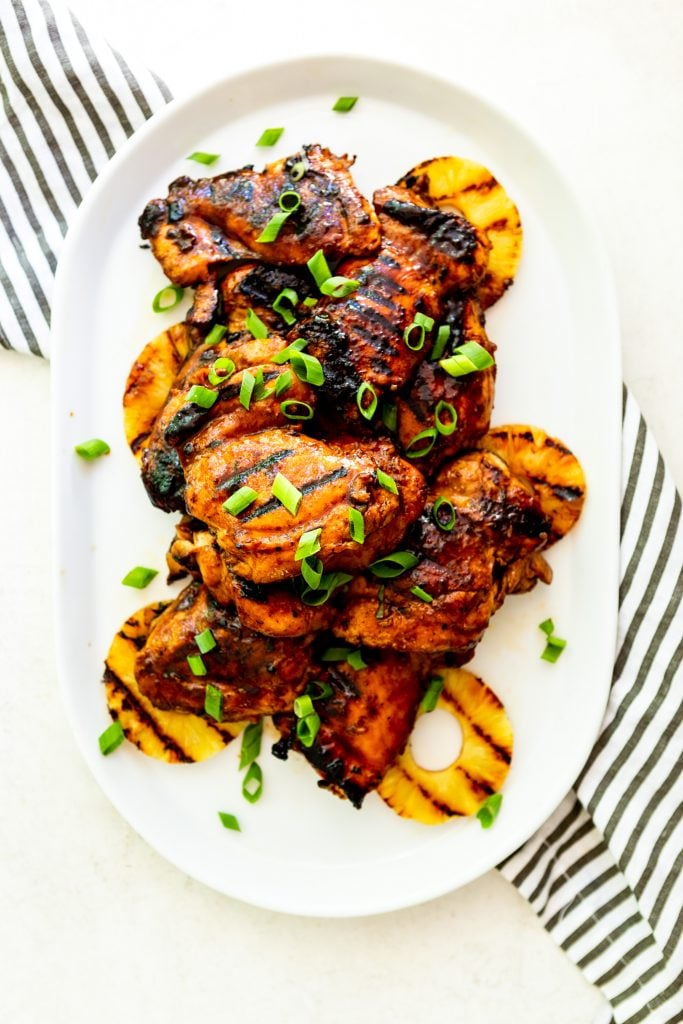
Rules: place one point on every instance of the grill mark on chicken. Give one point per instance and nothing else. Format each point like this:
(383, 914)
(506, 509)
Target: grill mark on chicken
(190, 417)
(454, 235)
(244, 474)
(305, 489)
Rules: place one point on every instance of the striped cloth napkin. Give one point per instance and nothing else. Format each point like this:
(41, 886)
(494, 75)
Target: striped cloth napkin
(604, 873)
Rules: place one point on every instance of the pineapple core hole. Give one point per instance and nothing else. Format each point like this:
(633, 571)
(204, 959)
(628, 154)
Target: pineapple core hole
(436, 741)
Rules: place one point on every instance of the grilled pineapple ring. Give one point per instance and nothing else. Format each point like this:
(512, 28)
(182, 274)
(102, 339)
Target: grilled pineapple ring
(166, 735)
(470, 188)
(149, 383)
(551, 468)
(432, 797)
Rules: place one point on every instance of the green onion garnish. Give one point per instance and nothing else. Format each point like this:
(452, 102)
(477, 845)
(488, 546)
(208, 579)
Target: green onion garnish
(247, 388)
(273, 227)
(468, 358)
(92, 449)
(309, 544)
(356, 525)
(432, 694)
(167, 298)
(287, 494)
(387, 482)
(111, 738)
(139, 577)
(310, 302)
(270, 136)
(213, 701)
(318, 266)
(448, 523)
(215, 335)
(548, 626)
(312, 570)
(283, 303)
(298, 170)
(316, 596)
(322, 691)
(251, 743)
(390, 416)
(554, 645)
(205, 641)
(424, 321)
(355, 660)
(286, 354)
(252, 784)
(303, 706)
(391, 566)
(422, 594)
(221, 370)
(367, 409)
(336, 654)
(255, 325)
(339, 287)
(201, 396)
(307, 368)
(379, 614)
(240, 500)
(488, 812)
(203, 158)
(196, 663)
(420, 325)
(442, 336)
(292, 409)
(229, 821)
(307, 729)
(345, 103)
(448, 426)
(289, 201)
(283, 382)
(417, 450)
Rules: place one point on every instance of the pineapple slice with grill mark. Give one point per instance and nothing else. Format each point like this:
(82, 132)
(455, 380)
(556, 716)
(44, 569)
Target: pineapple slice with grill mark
(432, 797)
(149, 382)
(549, 466)
(165, 735)
(456, 183)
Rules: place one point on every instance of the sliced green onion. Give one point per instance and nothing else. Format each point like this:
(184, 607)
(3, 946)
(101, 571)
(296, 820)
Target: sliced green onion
(415, 450)
(488, 812)
(379, 614)
(548, 626)
(432, 694)
(553, 649)
(356, 525)
(213, 701)
(307, 729)
(139, 577)
(442, 336)
(287, 298)
(449, 426)
(229, 821)
(203, 158)
(270, 136)
(468, 358)
(283, 382)
(307, 368)
(205, 641)
(255, 325)
(92, 449)
(196, 663)
(391, 566)
(390, 416)
(319, 267)
(292, 409)
(273, 227)
(424, 321)
(111, 738)
(215, 335)
(201, 396)
(310, 302)
(247, 388)
(339, 287)
(420, 334)
(443, 524)
(314, 597)
(167, 298)
(322, 691)
(240, 500)
(366, 409)
(387, 482)
(252, 784)
(286, 354)
(422, 594)
(251, 743)
(298, 170)
(309, 544)
(355, 660)
(344, 104)
(312, 570)
(221, 370)
(289, 201)
(336, 654)
(303, 706)
(287, 494)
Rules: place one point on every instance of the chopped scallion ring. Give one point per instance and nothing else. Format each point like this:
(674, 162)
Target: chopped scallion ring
(339, 287)
(252, 784)
(417, 450)
(444, 504)
(307, 729)
(422, 594)
(221, 370)
(251, 743)
(201, 396)
(307, 368)
(312, 571)
(205, 641)
(139, 577)
(432, 694)
(303, 706)
(270, 136)
(255, 325)
(390, 416)
(111, 738)
(548, 626)
(419, 332)
(424, 321)
(287, 494)
(289, 201)
(283, 304)
(319, 267)
(553, 649)
(213, 702)
(298, 170)
(386, 481)
(293, 409)
(240, 500)
(247, 388)
(196, 663)
(391, 566)
(167, 298)
(355, 660)
(335, 654)
(316, 596)
(448, 426)
(310, 302)
(286, 354)
(273, 227)
(92, 449)
(229, 821)
(321, 691)
(203, 158)
(366, 408)
(488, 812)
(442, 336)
(356, 525)
(283, 382)
(215, 335)
(309, 544)
(468, 358)
(344, 104)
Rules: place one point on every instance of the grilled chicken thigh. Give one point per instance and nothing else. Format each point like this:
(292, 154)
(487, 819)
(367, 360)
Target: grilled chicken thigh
(188, 248)
(256, 286)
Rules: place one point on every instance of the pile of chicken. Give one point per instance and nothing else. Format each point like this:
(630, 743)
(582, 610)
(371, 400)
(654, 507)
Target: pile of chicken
(470, 514)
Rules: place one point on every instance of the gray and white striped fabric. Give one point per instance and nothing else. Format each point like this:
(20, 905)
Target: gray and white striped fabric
(604, 874)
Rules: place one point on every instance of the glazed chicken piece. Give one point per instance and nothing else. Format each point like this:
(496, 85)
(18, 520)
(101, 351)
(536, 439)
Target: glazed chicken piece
(425, 254)
(364, 724)
(256, 286)
(256, 675)
(189, 249)
(491, 549)
(261, 542)
(276, 609)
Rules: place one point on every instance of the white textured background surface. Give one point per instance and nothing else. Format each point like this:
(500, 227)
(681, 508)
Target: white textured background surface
(93, 924)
